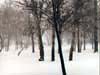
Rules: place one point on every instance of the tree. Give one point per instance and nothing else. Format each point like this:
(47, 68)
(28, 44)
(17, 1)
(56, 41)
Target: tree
(56, 16)
(35, 7)
(30, 29)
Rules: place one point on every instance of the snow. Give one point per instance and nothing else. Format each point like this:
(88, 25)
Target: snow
(85, 63)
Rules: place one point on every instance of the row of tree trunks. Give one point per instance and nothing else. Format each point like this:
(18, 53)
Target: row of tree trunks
(37, 14)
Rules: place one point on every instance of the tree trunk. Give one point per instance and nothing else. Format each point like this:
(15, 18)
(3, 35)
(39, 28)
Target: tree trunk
(95, 40)
(1, 43)
(40, 42)
(32, 39)
(60, 50)
(74, 42)
(53, 45)
(55, 17)
(72, 47)
(84, 41)
(92, 41)
(8, 43)
(95, 28)
(81, 42)
(60, 32)
(78, 39)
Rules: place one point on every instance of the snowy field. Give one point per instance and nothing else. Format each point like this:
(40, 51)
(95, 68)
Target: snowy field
(85, 63)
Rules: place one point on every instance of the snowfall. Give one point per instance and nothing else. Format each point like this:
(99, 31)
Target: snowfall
(85, 63)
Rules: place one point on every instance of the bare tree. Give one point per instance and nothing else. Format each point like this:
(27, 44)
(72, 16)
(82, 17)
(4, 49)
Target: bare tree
(56, 17)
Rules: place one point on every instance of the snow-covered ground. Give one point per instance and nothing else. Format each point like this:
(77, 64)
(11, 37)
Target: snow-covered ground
(85, 63)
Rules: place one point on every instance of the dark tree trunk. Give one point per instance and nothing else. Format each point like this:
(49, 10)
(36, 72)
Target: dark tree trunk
(8, 43)
(60, 32)
(60, 49)
(32, 39)
(40, 42)
(1, 43)
(92, 41)
(55, 19)
(95, 28)
(78, 40)
(74, 42)
(53, 46)
(72, 47)
(95, 40)
(84, 41)
(81, 42)
(40, 45)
